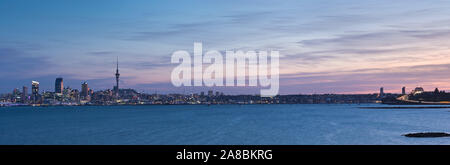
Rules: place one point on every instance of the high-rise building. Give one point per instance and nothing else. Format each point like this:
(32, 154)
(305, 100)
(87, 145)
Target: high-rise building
(24, 94)
(16, 91)
(116, 88)
(84, 90)
(381, 92)
(59, 85)
(404, 91)
(35, 92)
(210, 93)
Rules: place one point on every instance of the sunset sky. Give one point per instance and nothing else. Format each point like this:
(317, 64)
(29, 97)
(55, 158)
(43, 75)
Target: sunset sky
(333, 46)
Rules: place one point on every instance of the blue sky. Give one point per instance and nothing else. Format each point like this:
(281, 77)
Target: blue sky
(326, 46)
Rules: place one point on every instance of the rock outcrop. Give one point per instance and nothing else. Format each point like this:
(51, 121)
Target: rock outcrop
(427, 134)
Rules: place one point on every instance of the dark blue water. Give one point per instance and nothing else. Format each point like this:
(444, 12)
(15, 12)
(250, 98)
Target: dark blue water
(220, 124)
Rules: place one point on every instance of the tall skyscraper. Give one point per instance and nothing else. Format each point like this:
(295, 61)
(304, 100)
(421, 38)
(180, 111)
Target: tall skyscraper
(24, 94)
(35, 92)
(59, 85)
(84, 90)
(116, 88)
(16, 92)
(404, 91)
(381, 92)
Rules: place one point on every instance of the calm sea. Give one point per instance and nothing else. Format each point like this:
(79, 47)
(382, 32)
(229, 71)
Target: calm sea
(220, 124)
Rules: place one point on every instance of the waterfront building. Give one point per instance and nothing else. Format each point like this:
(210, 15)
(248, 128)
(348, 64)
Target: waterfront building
(15, 91)
(15, 97)
(35, 92)
(404, 91)
(24, 94)
(84, 90)
(418, 90)
(381, 92)
(59, 85)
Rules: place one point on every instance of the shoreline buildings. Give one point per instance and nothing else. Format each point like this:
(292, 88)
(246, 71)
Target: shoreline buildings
(86, 96)
(24, 95)
(59, 85)
(35, 92)
(85, 92)
(381, 95)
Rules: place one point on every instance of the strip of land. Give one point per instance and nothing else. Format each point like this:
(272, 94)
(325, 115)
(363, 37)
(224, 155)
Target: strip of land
(408, 107)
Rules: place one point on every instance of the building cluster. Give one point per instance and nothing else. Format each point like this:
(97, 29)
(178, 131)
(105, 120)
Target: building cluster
(60, 96)
(86, 96)
(418, 96)
(68, 96)
(415, 91)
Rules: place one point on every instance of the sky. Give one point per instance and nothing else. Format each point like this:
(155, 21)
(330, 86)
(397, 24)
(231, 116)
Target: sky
(333, 46)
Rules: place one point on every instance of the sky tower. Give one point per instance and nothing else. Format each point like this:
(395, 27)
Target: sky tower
(116, 89)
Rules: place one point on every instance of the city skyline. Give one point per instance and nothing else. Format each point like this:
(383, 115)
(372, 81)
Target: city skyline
(59, 88)
(333, 47)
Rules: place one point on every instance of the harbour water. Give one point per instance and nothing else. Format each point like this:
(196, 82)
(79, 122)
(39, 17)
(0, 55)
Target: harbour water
(221, 124)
